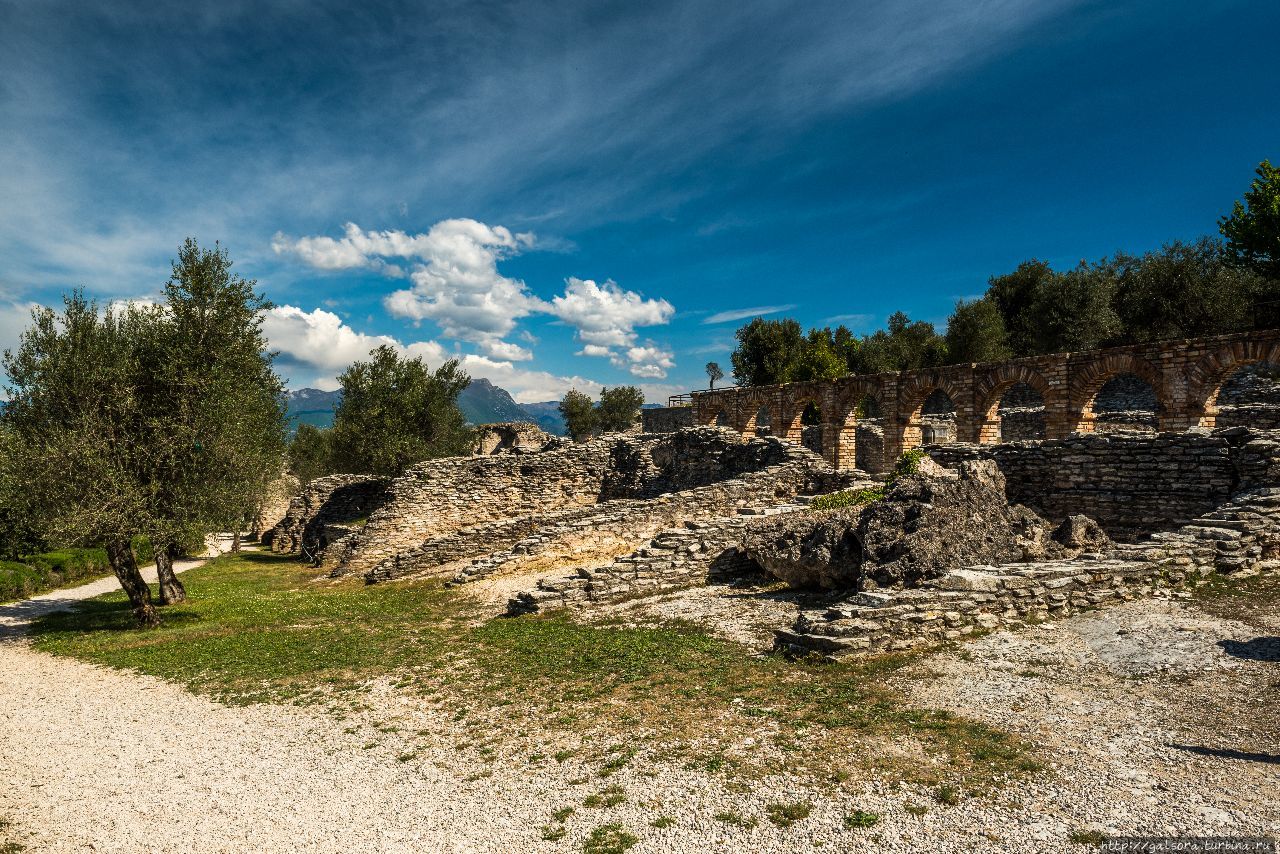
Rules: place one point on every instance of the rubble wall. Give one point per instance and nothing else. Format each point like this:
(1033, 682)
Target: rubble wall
(1130, 484)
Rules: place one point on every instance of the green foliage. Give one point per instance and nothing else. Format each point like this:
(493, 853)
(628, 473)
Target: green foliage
(617, 411)
(976, 333)
(714, 373)
(847, 498)
(1183, 290)
(906, 345)
(579, 415)
(767, 352)
(908, 463)
(311, 453)
(618, 408)
(1253, 228)
(818, 360)
(48, 571)
(395, 412)
(609, 839)
(860, 820)
(787, 814)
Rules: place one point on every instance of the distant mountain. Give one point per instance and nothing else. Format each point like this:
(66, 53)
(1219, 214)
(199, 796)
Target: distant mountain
(482, 402)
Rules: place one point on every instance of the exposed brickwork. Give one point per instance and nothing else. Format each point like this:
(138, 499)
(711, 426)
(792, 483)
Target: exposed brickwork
(1186, 376)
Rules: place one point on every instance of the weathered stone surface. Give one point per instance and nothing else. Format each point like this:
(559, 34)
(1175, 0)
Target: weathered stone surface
(324, 512)
(513, 437)
(811, 549)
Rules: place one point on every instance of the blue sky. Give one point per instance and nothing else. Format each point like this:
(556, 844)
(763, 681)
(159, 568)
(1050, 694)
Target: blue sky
(598, 193)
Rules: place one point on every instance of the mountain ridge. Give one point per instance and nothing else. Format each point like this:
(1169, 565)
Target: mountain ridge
(481, 402)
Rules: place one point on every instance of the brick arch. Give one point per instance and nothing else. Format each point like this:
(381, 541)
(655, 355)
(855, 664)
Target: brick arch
(1206, 377)
(1094, 375)
(711, 408)
(843, 419)
(990, 389)
(789, 427)
(750, 409)
(911, 397)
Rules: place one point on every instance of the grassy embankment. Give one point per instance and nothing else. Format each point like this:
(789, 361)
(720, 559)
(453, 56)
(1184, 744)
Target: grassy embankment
(53, 570)
(257, 629)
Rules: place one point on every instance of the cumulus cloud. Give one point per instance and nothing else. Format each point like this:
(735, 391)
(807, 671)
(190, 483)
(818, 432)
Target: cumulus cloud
(454, 276)
(605, 317)
(456, 284)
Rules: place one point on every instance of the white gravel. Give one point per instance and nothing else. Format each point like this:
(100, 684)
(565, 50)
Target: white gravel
(94, 759)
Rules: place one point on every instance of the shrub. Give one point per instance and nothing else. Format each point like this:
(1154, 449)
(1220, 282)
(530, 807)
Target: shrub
(859, 819)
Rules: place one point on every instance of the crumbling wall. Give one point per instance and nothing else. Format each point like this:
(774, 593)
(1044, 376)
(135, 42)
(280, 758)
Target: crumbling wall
(440, 497)
(1130, 484)
(666, 419)
(512, 437)
(327, 502)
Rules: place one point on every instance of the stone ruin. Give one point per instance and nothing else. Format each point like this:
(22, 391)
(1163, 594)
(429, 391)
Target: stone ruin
(513, 437)
(981, 535)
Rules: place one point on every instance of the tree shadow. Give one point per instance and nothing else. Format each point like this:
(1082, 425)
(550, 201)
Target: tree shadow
(93, 615)
(1228, 753)
(1258, 649)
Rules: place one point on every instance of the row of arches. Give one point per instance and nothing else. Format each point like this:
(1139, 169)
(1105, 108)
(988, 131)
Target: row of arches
(1014, 403)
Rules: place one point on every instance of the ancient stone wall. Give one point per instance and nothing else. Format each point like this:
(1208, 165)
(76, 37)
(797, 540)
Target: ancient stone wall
(1130, 484)
(274, 505)
(666, 419)
(440, 497)
(1167, 386)
(326, 509)
(511, 437)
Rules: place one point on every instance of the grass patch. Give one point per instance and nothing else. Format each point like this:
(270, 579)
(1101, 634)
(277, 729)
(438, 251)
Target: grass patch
(1087, 837)
(553, 833)
(609, 839)
(785, 815)
(662, 821)
(847, 498)
(947, 795)
(1252, 599)
(736, 819)
(860, 820)
(255, 628)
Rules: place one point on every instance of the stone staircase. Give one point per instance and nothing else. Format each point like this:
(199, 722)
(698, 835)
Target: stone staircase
(694, 553)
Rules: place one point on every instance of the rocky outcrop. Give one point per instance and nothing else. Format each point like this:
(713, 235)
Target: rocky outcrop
(513, 437)
(928, 523)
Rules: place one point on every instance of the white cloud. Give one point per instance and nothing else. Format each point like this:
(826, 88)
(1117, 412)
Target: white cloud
(455, 278)
(322, 344)
(606, 315)
(743, 313)
(456, 284)
(14, 318)
(648, 362)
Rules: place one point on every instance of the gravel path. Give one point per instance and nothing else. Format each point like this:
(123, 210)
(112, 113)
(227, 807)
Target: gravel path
(1136, 740)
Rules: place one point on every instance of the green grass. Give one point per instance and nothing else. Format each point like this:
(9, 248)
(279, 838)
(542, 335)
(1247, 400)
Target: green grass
(736, 819)
(256, 628)
(1087, 837)
(785, 815)
(859, 820)
(609, 839)
(662, 821)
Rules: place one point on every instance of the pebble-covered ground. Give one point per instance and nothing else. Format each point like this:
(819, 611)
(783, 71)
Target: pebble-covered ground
(1152, 717)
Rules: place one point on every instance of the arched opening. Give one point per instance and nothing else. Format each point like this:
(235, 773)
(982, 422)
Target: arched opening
(811, 427)
(721, 419)
(763, 422)
(868, 435)
(1126, 403)
(1021, 412)
(937, 419)
(1250, 397)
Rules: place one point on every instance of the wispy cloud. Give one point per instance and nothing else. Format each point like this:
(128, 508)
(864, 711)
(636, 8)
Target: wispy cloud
(743, 313)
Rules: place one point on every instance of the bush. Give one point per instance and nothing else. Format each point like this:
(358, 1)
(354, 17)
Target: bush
(49, 570)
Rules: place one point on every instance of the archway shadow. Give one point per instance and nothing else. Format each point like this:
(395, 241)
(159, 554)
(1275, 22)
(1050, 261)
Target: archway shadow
(1258, 649)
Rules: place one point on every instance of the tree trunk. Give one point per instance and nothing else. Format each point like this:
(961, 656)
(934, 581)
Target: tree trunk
(171, 589)
(120, 553)
(235, 541)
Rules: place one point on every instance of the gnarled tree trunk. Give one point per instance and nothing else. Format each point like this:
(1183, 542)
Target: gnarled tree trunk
(120, 554)
(171, 589)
